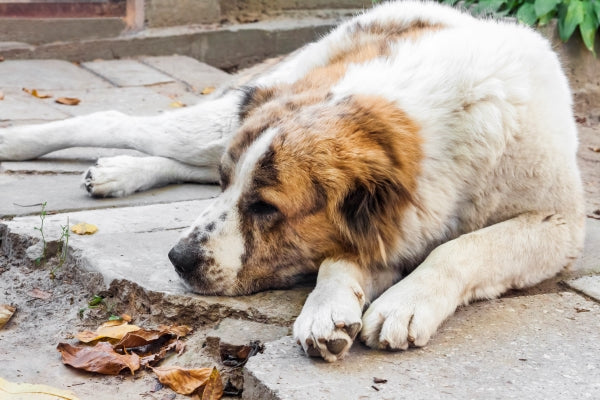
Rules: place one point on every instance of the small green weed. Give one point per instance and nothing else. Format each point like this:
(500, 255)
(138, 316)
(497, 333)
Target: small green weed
(40, 228)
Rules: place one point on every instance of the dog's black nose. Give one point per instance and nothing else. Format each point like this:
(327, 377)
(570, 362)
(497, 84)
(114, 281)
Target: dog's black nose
(183, 259)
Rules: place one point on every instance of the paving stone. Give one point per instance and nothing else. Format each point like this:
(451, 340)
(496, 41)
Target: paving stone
(513, 348)
(589, 261)
(127, 72)
(70, 161)
(47, 75)
(193, 72)
(128, 100)
(177, 92)
(235, 333)
(129, 255)
(589, 285)
(63, 192)
(20, 105)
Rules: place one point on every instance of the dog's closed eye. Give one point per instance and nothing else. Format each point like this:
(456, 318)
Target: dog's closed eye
(262, 208)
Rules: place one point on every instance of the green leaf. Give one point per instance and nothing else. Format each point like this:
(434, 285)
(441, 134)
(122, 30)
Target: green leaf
(526, 14)
(569, 18)
(588, 26)
(543, 7)
(596, 7)
(544, 19)
(95, 300)
(450, 2)
(488, 6)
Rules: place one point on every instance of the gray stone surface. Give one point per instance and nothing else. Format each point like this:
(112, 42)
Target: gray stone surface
(20, 105)
(63, 192)
(131, 247)
(127, 72)
(129, 100)
(47, 75)
(237, 332)
(514, 348)
(194, 73)
(588, 285)
(589, 261)
(179, 12)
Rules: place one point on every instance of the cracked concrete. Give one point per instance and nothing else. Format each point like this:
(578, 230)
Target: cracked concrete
(541, 342)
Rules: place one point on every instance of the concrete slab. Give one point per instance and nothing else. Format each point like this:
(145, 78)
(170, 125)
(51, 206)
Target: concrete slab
(75, 160)
(514, 348)
(588, 285)
(127, 72)
(129, 254)
(63, 192)
(196, 74)
(589, 261)
(178, 92)
(129, 100)
(47, 75)
(20, 105)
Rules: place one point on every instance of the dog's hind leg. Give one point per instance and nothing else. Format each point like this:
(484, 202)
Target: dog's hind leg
(191, 135)
(122, 175)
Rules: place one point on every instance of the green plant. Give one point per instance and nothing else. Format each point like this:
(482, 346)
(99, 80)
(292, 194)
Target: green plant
(571, 14)
(40, 228)
(64, 248)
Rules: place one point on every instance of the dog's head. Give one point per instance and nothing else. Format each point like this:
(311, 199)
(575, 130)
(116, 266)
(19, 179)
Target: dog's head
(302, 183)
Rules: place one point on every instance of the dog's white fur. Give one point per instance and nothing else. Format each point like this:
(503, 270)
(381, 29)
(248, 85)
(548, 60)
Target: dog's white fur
(499, 191)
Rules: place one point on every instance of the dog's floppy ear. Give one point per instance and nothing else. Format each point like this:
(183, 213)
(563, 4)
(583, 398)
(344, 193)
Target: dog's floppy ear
(383, 174)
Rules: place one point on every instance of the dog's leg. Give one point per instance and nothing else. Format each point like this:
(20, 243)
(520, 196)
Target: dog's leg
(122, 175)
(331, 316)
(194, 135)
(483, 264)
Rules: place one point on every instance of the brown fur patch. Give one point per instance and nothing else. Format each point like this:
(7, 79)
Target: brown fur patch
(344, 176)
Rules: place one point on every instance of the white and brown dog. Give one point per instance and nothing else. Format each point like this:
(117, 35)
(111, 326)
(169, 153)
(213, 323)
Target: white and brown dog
(416, 158)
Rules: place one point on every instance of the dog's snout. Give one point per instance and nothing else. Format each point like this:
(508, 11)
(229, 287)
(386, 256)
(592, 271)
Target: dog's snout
(183, 259)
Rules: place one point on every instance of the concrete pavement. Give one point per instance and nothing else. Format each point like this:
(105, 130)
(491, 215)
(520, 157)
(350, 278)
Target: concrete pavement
(532, 344)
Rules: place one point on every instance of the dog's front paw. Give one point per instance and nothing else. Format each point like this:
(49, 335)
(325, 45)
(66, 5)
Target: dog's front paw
(407, 314)
(329, 321)
(113, 177)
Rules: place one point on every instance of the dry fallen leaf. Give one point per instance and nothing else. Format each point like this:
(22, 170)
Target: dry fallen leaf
(177, 104)
(83, 228)
(143, 337)
(35, 93)
(100, 358)
(39, 294)
(1, 95)
(208, 90)
(181, 380)
(107, 330)
(214, 386)
(6, 312)
(155, 357)
(1, 58)
(594, 149)
(68, 101)
(27, 391)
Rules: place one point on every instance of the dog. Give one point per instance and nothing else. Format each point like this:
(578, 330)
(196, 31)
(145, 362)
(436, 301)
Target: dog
(415, 158)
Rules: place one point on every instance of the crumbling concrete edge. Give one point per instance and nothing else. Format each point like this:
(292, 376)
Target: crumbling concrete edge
(132, 298)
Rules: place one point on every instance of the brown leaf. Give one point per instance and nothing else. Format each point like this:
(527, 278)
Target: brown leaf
(39, 294)
(1, 58)
(68, 101)
(208, 90)
(594, 149)
(177, 104)
(1, 95)
(177, 330)
(6, 312)
(214, 387)
(35, 93)
(107, 330)
(23, 391)
(100, 358)
(181, 380)
(143, 337)
(154, 358)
